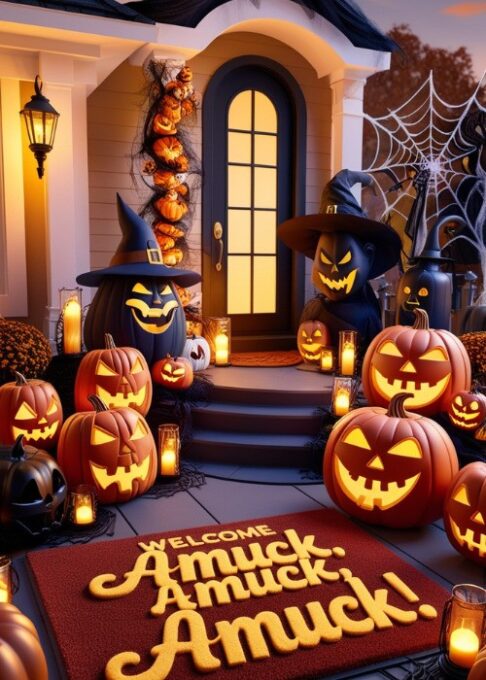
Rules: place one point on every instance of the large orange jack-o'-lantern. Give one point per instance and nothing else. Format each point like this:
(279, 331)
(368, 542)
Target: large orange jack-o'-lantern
(312, 336)
(120, 376)
(113, 450)
(391, 468)
(465, 512)
(31, 408)
(431, 365)
(467, 410)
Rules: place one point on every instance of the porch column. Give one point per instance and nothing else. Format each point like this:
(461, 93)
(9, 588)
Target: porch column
(66, 183)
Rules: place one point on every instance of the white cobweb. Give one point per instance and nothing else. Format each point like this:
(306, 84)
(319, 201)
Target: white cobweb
(425, 159)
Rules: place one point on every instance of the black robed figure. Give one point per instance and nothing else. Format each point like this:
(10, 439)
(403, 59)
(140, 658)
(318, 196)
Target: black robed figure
(348, 250)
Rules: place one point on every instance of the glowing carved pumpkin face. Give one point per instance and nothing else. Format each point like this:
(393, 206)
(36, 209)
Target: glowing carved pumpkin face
(111, 449)
(174, 373)
(467, 410)
(429, 364)
(341, 265)
(312, 336)
(382, 466)
(31, 408)
(428, 289)
(120, 376)
(153, 303)
(465, 512)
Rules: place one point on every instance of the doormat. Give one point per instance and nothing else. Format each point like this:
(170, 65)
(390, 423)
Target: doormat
(266, 359)
(292, 596)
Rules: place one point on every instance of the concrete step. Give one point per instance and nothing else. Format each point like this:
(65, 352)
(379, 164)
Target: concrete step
(270, 396)
(257, 418)
(250, 448)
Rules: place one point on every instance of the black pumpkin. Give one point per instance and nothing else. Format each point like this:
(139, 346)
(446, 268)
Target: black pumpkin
(145, 313)
(33, 490)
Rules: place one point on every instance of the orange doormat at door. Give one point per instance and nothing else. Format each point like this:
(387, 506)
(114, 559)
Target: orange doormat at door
(292, 596)
(266, 359)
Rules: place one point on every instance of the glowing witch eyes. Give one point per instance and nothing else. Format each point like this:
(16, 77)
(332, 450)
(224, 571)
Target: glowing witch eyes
(423, 292)
(407, 448)
(344, 260)
(142, 290)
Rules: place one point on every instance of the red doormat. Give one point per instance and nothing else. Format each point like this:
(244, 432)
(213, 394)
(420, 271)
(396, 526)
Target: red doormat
(293, 596)
(266, 359)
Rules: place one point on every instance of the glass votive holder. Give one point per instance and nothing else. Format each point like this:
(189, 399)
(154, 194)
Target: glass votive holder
(169, 450)
(326, 363)
(347, 352)
(82, 506)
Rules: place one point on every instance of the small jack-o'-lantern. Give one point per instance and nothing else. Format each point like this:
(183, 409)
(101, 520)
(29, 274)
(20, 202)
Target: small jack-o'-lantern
(170, 107)
(465, 512)
(312, 336)
(33, 490)
(21, 653)
(467, 410)
(391, 468)
(31, 408)
(112, 449)
(118, 375)
(197, 351)
(171, 207)
(161, 125)
(174, 373)
(431, 365)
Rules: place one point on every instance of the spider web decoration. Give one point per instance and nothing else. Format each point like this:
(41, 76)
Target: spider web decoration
(428, 161)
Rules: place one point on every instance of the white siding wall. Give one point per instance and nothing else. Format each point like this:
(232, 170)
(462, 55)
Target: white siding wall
(115, 120)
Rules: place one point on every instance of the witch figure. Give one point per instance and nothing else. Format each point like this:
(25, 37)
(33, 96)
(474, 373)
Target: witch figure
(348, 250)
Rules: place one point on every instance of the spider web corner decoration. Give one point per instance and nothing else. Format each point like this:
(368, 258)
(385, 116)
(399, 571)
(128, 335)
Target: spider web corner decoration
(428, 162)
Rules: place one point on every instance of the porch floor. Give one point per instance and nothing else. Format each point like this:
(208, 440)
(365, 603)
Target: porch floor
(265, 492)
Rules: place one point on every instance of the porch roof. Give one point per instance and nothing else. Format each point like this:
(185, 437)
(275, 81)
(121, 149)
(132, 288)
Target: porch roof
(103, 8)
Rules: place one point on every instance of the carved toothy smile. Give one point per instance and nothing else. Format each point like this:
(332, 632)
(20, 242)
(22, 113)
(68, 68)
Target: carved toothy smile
(165, 314)
(122, 476)
(468, 538)
(120, 399)
(36, 433)
(423, 392)
(338, 284)
(312, 350)
(382, 495)
(462, 417)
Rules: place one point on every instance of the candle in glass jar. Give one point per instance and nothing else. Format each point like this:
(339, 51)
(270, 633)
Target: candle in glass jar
(347, 360)
(72, 327)
(341, 403)
(463, 647)
(168, 457)
(84, 514)
(326, 359)
(4, 594)
(221, 345)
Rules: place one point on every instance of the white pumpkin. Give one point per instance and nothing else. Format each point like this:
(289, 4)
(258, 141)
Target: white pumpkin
(197, 351)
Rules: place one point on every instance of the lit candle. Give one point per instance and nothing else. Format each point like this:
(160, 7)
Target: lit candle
(72, 326)
(463, 647)
(168, 457)
(221, 344)
(4, 594)
(347, 360)
(326, 359)
(341, 403)
(84, 514)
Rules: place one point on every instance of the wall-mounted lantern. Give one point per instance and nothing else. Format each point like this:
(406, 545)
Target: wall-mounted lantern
(41, 122)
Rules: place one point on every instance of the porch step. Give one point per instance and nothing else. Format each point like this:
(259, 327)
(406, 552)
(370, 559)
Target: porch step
(250, 448)
(283, 395)
(231, 417)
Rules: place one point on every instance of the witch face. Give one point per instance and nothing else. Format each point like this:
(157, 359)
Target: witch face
(341, 265)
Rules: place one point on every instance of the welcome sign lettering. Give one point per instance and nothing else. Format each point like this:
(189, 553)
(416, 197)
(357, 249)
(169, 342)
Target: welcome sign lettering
(283, 597)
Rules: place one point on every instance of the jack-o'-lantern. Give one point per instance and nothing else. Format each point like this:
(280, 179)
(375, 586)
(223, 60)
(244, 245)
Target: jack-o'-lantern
(168, 149)
(120, 376)
(31, 408)
(21, 653)
(161, 125)
(172, 256)
(467, 410)
(174, 373)
(432, 365)
(465, 512)
(111, 449)
(312, 336)
(170, 107)
(391, 468)
(171, 207)
(33, 490)
(198, 353)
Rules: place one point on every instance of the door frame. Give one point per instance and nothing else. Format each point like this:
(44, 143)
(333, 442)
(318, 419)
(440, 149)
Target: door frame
(210, 133)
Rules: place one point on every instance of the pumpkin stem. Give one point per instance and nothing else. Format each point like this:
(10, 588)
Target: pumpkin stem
(396, 408)
(421, 320)
(109, 342)
(20, 379)
(18, 449)
(97, 403)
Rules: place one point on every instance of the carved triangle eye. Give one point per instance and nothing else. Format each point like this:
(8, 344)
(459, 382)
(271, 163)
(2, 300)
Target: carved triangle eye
(408, 448)
(458, 400)
(25, 412)
(390, 349)
(436, 354)
(137, 366)
(52, 407)
(357, 438)
(461, 496)
(317, 334)
(100, 436)
(139, 432)
(103, 369)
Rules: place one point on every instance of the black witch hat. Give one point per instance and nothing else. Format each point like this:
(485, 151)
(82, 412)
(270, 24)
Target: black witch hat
(341, 212)
(138, 254)
(432, 250)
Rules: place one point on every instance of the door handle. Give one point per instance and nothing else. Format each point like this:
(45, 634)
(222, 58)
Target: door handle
(218, 235)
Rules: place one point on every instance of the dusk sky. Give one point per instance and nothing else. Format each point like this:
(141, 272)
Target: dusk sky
(441, 23)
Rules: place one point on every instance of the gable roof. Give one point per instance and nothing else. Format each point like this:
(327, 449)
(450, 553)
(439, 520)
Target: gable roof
(103, 8)
(345, 15)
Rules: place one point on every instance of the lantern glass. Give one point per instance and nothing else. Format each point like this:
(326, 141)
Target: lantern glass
(220, 340)
(169, 450)
(83, 505)
(347, 352)
(70, 303)
(5, 579)
(40, 119)
(342, 395)
(464, 625)
(326, 363)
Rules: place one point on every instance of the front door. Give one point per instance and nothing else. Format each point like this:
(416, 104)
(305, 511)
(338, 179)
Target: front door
(249, 177)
